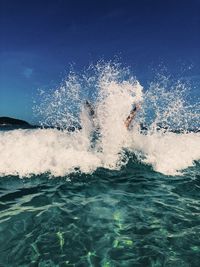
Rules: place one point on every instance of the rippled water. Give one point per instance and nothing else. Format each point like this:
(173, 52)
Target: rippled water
(112, 196)
(132, 217)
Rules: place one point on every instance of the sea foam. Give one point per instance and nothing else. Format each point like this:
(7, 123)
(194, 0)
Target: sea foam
(102, 141)
(25, 152)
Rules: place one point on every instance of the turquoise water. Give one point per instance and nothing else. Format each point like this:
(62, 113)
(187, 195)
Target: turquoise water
(131, 217)
(103, 195)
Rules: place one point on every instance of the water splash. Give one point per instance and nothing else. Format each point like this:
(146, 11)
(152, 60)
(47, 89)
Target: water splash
(60, 107)
(168, 104)
(102, 140)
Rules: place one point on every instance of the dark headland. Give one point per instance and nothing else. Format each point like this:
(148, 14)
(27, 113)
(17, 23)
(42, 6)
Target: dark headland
(7, 123)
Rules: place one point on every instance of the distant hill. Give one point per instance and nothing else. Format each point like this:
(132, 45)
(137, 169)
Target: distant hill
(7, 121)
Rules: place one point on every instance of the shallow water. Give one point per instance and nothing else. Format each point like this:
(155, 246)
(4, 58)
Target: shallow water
(131, 217)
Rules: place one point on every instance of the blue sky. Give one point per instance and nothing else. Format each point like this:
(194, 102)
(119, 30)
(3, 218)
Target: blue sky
(40, 39)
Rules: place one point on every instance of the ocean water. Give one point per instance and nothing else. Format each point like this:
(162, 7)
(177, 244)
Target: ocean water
(102, 195)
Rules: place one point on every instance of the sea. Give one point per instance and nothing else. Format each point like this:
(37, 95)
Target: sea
(83, 190)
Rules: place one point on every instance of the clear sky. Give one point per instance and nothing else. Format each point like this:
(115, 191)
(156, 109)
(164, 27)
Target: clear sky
(40, 39)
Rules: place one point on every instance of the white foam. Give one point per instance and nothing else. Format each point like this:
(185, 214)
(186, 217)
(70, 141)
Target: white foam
(25, 152)
(168, 153)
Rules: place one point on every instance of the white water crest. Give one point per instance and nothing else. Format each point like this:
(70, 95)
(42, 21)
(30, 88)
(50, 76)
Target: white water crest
(102, 140)
(168, 152)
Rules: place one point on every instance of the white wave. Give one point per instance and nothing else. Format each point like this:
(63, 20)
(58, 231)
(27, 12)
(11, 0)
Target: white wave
(168, 152)
(25, 152)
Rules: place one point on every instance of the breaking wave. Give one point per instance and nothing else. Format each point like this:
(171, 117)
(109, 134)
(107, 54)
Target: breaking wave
(164, 133)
